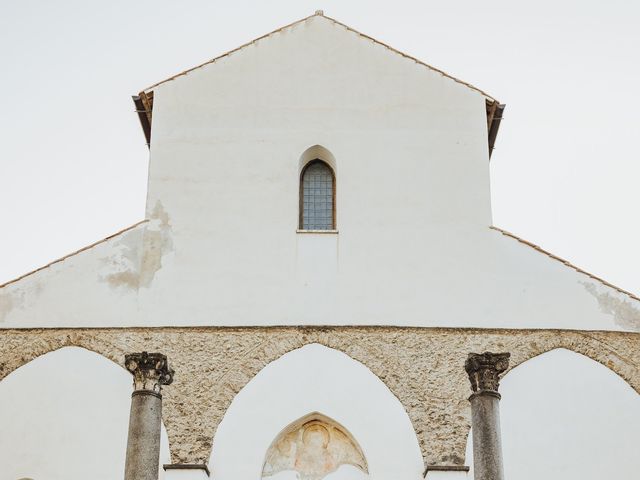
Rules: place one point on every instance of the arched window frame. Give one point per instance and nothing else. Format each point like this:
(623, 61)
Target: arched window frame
(301, 195)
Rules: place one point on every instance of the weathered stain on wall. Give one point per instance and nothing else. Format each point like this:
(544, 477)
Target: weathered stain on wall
(138, 256)
(16, 297)
(6, 305)
(124, 262)
(156, 244)
(423, 368)
(36, 295)
(624, 313)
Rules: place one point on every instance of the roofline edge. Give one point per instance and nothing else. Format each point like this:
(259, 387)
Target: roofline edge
(320, 14)
(72, 254)
(565, 262)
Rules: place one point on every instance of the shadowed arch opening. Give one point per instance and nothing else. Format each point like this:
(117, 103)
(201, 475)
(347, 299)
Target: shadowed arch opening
(575, 413)
(316, 378)
(65, 415)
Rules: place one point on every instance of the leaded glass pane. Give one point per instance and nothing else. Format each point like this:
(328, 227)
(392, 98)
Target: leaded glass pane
(317, 197)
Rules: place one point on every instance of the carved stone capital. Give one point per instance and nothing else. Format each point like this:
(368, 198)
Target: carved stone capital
(150, 371)
(484, 370)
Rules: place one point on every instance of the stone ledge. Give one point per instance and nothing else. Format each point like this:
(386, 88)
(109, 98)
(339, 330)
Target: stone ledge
(187, 466)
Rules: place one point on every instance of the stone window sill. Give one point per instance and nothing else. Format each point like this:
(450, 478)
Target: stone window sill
(334, 232)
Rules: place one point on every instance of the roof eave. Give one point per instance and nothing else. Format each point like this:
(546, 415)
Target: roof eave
(144, 108)
(495, 110)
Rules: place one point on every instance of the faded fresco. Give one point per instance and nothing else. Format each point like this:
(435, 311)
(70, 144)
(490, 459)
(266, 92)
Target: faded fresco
(314, 447)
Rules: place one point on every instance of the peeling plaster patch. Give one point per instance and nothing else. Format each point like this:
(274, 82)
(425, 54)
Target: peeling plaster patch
(124, 263)
(6, 305)
(157, 242)
(625, 314)
(15, 298)
(124, 279)
(135, 270)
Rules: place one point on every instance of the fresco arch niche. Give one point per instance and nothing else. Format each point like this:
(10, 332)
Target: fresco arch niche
(313, 447)
(328, 381)
(579, 416)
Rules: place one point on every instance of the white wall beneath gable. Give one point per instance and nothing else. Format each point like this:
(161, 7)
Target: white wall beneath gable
(414, 246)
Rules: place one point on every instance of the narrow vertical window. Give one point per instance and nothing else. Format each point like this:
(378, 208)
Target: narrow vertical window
(317, 197)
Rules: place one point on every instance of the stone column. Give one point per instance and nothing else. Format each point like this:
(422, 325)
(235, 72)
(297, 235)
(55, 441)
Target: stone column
(484, 370)
(150, 372)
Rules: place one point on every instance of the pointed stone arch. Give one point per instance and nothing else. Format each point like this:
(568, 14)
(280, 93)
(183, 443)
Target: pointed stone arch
(358, 399)
(566, 396)
(72, 394)
(602, 355)
(317, 152)
(588, 345)
(35, 347)
(609, 349)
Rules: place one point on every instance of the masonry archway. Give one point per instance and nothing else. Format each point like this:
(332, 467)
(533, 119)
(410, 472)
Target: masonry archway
(327, 381)
(566, 415)
(214, 364)
(63, 412)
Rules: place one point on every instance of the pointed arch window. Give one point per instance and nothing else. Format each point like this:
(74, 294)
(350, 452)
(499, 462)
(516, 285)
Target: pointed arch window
(317, 197)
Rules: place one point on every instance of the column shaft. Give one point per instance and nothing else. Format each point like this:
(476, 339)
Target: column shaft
(143, 444)
(485, 427)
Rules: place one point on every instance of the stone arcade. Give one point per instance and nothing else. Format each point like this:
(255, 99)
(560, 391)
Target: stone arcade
(317, 263)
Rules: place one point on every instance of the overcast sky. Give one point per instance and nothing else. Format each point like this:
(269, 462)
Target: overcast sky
(73, 160)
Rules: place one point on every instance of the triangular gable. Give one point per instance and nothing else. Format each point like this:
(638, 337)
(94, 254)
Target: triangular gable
(320, 14)
(144, 100)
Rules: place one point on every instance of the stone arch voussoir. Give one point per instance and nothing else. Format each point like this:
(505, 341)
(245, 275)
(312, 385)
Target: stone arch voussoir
(588, 345)
(613, 350)
(17, 350)
(265, 349)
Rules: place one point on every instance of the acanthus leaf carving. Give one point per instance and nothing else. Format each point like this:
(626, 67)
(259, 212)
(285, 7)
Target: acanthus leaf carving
(150, 371)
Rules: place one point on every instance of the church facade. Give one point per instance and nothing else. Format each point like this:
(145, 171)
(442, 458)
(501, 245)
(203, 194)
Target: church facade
(317, 262)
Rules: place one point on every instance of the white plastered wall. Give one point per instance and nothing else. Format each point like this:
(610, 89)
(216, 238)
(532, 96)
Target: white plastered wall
(316, 379)
(414, 248)
(64, 416)
(565, 416)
